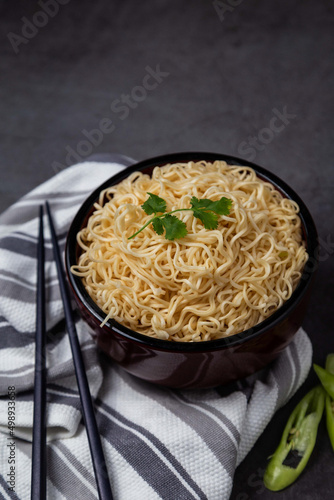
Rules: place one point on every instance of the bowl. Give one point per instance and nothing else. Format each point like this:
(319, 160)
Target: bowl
(196, 364)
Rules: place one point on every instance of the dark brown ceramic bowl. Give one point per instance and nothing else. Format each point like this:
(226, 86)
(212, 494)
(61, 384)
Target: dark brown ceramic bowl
(201, 364)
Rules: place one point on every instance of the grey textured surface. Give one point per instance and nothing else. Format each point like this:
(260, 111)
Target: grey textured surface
(229, 75)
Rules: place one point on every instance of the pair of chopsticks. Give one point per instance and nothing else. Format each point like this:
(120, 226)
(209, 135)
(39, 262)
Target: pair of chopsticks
(38, 475)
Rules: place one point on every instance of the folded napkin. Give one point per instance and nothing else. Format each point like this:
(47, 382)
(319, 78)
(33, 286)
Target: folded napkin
(159, 443)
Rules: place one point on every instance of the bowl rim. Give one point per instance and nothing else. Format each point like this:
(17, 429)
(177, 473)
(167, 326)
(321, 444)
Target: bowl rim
(310, 236)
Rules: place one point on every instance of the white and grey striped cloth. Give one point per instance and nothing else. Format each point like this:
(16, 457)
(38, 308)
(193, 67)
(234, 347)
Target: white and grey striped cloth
(159, 443)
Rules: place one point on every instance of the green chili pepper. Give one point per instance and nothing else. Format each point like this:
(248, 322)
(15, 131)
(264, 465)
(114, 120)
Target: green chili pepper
(330, 402)
(330, 363)
(330, 418)
(327, 379)
(297, 442)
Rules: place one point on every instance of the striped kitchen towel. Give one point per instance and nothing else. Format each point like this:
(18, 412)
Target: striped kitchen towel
(159, 443)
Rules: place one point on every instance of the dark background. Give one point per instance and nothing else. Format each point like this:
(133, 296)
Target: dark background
(229, 68)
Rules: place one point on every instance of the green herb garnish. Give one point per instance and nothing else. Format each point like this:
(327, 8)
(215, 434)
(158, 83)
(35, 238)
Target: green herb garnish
(205, 210)
(154, 204)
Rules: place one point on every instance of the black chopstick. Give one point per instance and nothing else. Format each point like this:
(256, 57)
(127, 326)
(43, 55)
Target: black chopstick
(38, 471)
(95, 445)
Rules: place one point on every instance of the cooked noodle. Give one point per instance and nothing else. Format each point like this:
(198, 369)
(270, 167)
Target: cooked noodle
(207, 285)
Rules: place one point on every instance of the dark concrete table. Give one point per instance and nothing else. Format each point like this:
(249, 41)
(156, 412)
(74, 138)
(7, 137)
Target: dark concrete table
(181, 76)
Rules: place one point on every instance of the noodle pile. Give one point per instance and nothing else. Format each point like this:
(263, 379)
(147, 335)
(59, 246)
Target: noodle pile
(209, 284)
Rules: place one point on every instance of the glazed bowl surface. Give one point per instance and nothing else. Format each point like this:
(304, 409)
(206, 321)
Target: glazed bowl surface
(195, 364)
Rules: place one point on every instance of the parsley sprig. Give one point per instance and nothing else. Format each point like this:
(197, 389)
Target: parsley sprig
(205, 210)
